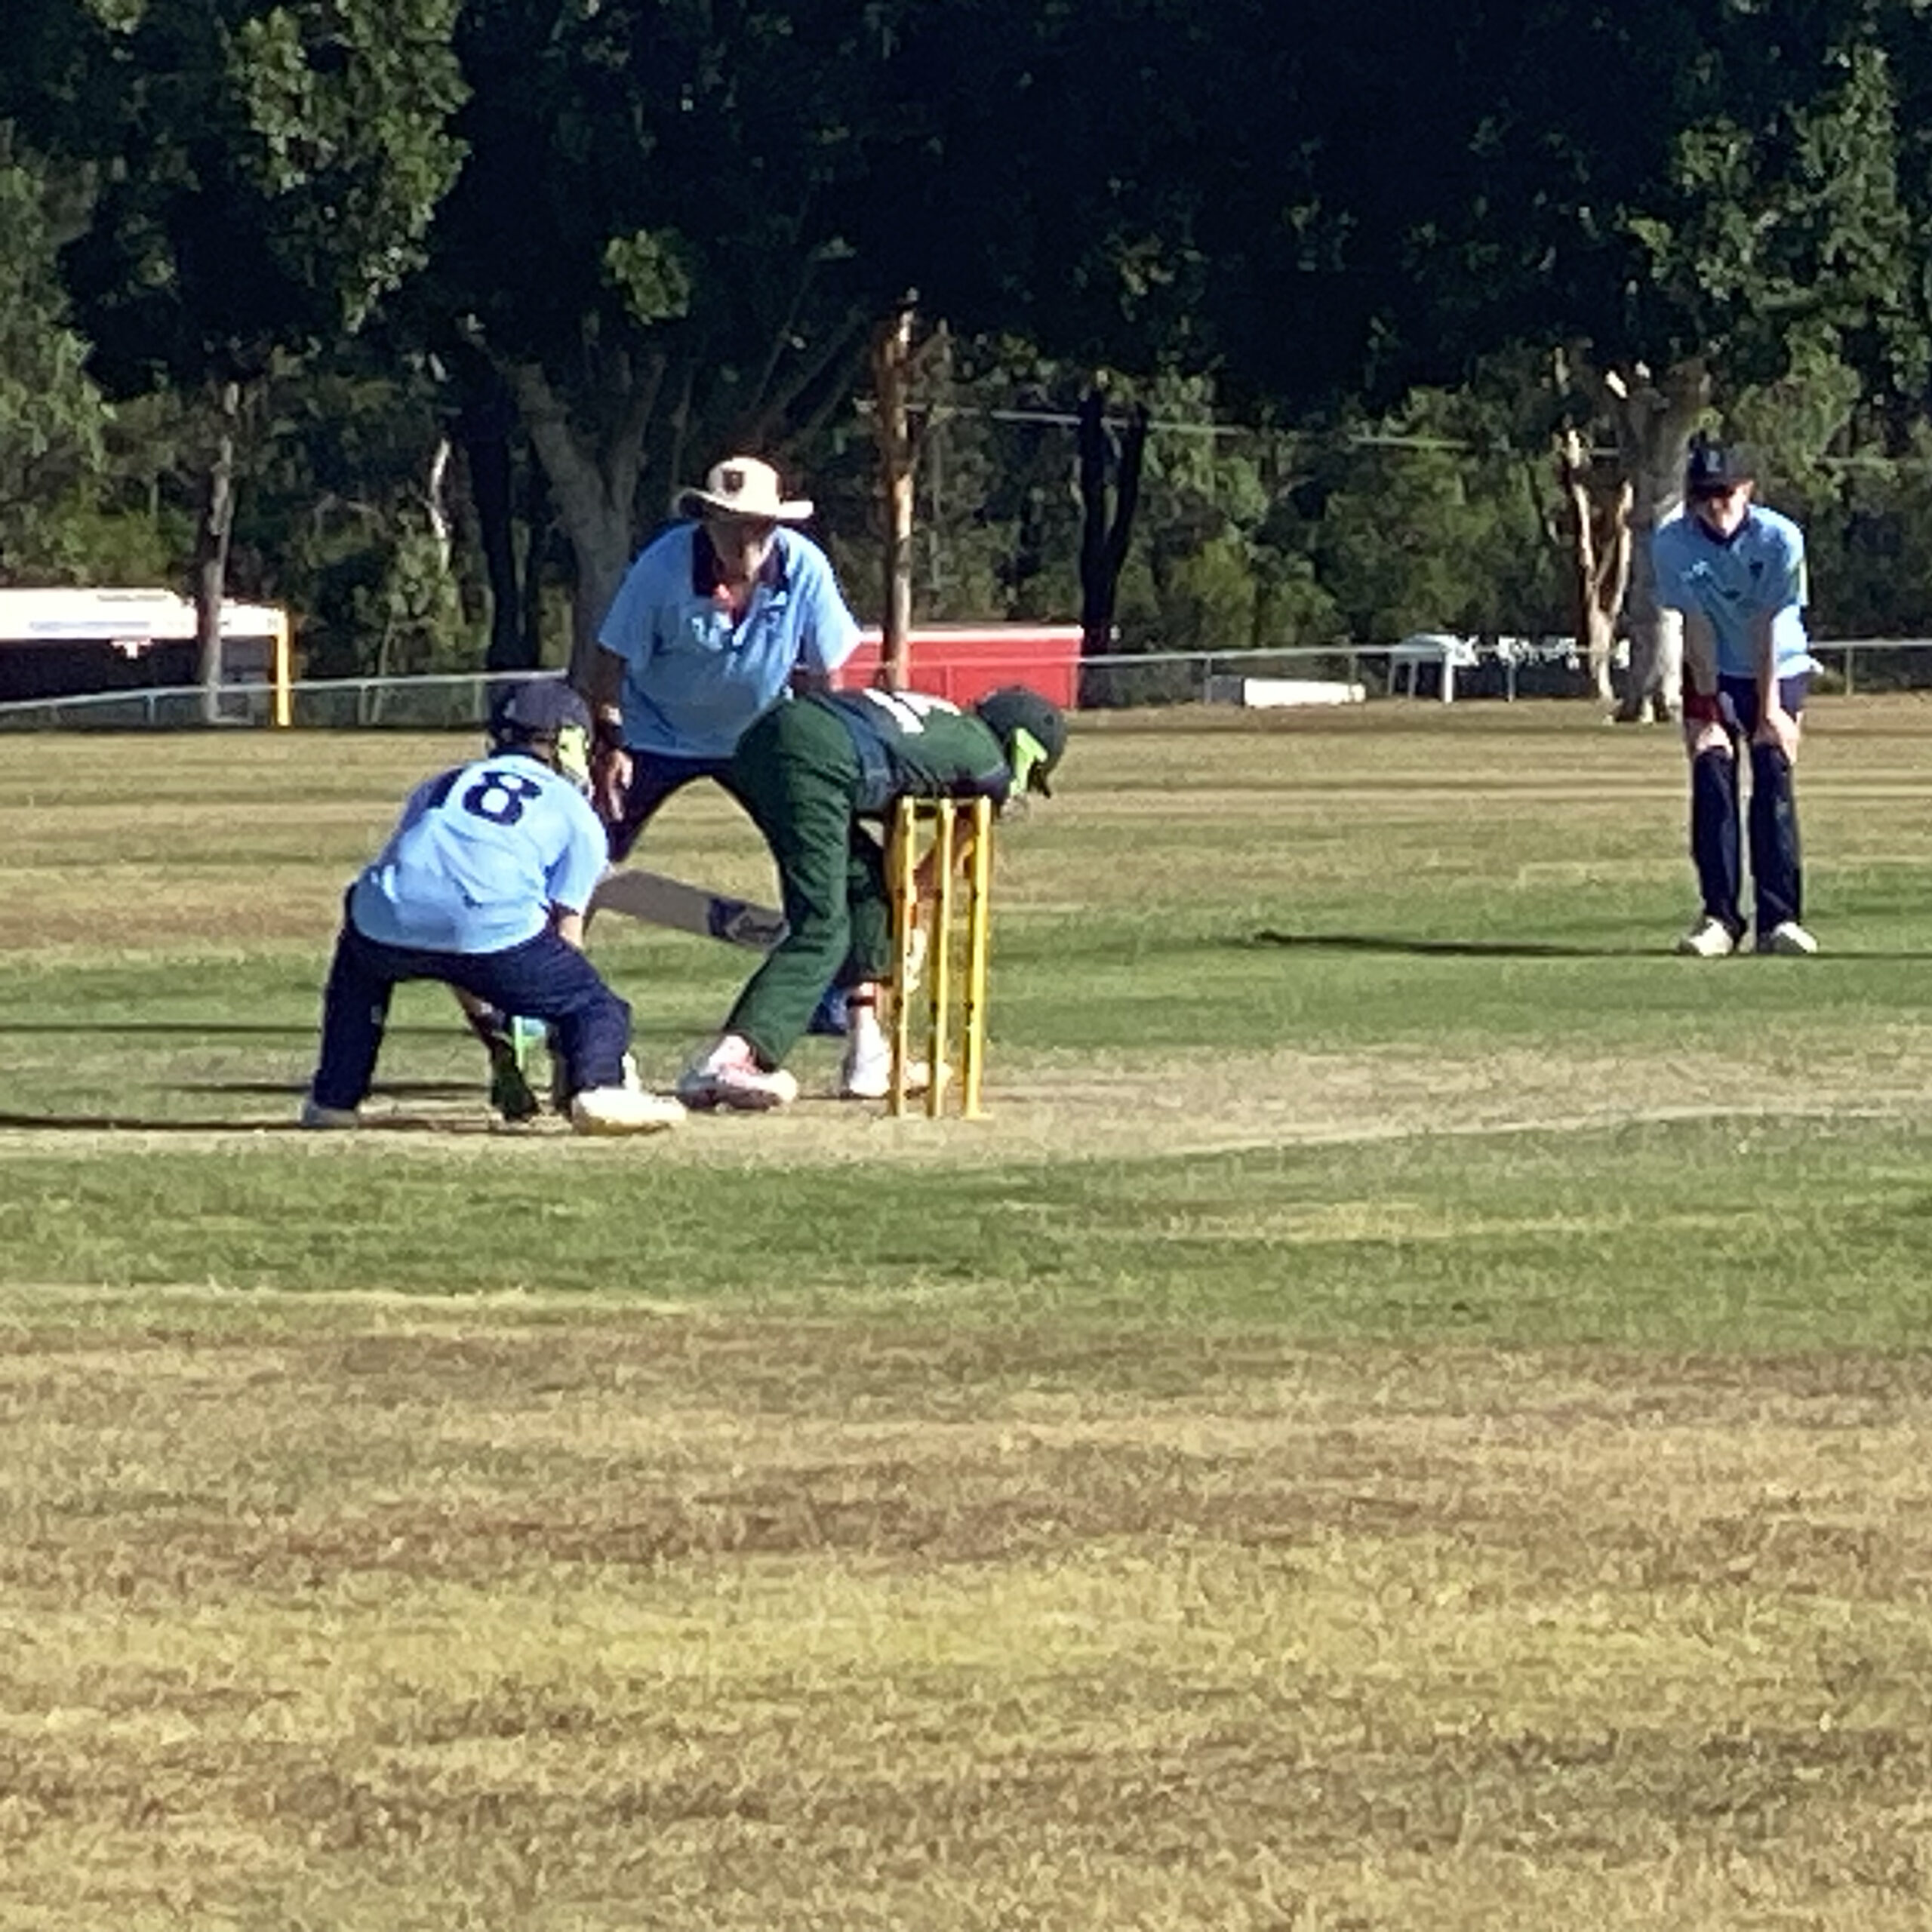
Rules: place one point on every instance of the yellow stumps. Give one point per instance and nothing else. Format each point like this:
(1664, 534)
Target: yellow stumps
(931, 849)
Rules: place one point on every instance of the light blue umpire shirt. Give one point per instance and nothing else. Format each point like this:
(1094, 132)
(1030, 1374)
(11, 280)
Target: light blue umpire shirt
(692, 679)
(479, 858)
(1760, 568)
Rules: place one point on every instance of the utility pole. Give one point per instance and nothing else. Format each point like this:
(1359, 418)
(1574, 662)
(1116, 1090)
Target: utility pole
(892, 366)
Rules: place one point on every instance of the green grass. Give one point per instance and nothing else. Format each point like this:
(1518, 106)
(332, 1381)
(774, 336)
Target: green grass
(1656, 1235)
(1414, 1410)
(1225, 924)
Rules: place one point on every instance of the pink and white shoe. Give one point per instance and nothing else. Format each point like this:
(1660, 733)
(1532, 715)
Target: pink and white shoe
(729, 1076)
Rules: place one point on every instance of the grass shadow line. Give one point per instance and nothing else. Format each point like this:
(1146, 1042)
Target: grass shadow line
(1483, 949)
(197, 1029)
(1451, 949)
(294, 1090)
(55, 1123)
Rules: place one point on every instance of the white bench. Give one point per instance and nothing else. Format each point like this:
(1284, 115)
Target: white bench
(1447, 653)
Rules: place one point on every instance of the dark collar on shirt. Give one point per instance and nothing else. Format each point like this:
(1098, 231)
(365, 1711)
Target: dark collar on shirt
(1710, 536)
(706, 576)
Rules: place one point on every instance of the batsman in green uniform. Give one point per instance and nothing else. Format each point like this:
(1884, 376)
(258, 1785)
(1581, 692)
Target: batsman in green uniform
(819, 776)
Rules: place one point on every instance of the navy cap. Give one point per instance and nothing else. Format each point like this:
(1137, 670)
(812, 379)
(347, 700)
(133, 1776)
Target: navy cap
(1715, 469)
(538, 708)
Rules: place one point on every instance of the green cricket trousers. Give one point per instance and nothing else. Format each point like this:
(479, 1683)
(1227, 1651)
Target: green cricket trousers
(798, 773)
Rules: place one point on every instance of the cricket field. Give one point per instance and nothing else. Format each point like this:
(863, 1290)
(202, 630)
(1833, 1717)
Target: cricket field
(1414, 1411)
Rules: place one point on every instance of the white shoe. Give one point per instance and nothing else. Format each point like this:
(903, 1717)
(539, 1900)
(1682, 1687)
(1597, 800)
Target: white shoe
(865, 1073)
(623, 1110)
(315, 1116)
(1789, 938)
(632, 1081)
(729, 1076)
(1709, 938)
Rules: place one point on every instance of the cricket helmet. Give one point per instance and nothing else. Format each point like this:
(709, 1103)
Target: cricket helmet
(1031, 730)
(543, 714)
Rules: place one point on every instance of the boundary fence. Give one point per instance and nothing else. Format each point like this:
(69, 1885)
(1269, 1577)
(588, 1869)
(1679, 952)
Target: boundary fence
(455, 701)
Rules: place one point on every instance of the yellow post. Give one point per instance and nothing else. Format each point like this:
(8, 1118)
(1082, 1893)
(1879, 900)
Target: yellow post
(903, 866)
(939, 959)
(283, 673)
(956, 1047)
(979, 914)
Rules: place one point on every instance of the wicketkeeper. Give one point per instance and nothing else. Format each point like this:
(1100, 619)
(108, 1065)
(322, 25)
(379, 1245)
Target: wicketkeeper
(818, 774)
(482, 885)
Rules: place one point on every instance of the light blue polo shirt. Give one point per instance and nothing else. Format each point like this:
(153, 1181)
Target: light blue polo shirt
(1761, 568)
(692, 679)
(479, 858)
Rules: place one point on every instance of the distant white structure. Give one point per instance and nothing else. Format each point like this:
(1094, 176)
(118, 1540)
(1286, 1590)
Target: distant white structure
(1267, 692)
(62, 642)
(1447, 653)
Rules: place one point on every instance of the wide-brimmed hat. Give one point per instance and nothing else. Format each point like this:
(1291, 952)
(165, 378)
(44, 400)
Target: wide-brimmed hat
(742, 486)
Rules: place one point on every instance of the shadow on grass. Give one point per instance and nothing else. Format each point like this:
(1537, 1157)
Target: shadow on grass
(1509, 948)
(1454, 949)
(293, 1090)
(198, 1029)
(54, 1123)
(469, 1120)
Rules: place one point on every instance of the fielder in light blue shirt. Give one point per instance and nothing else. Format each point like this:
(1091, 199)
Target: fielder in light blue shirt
(479, 858)
(1737, 583)
(483, 885)
(1735, 571)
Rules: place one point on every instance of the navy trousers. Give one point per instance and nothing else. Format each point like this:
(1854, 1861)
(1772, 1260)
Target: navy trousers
(544, 978)
(1770, 829)
(654, 777)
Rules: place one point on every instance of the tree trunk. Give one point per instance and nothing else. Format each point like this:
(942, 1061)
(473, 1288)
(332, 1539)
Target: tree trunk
(1599, 556)
(595, 489)
(485, 428)
(540, 524)
(211, 553)
(1653, 419)
(892, 354)
(1105, 533)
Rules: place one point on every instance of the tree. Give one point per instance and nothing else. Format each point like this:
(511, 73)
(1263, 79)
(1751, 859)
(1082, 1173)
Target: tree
(652, 241)
(52, 417)
(1599, 508)
(1740, 218)
(264, 175)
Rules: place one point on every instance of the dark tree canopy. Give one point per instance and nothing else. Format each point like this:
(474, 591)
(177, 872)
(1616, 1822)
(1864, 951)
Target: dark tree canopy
(639, 232)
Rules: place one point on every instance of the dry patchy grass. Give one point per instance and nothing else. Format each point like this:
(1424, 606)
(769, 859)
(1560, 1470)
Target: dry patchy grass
(381, 1617)
(349, 1613)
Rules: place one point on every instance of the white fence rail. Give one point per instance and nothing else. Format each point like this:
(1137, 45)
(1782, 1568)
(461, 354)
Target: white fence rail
(458, 700)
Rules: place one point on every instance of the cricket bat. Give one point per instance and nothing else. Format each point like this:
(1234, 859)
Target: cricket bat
(661, 901)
